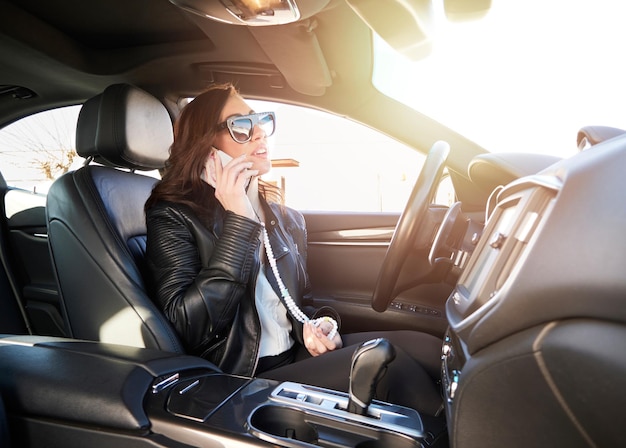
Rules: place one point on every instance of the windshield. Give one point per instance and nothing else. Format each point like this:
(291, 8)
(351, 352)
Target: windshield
(525, 77)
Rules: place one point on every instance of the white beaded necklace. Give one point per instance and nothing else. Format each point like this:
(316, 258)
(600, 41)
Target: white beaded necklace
(296, 312)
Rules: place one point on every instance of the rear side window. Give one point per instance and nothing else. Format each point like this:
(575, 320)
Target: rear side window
(37, 149)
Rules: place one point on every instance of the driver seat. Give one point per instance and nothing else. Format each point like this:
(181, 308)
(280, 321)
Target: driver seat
(96, 222)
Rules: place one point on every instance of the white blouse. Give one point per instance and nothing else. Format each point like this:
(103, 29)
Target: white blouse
(275, 324)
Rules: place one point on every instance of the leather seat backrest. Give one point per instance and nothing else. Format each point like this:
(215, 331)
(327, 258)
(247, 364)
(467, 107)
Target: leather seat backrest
(96, 222)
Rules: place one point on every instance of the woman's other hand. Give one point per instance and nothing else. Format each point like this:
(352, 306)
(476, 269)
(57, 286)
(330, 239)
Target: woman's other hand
(316, 341)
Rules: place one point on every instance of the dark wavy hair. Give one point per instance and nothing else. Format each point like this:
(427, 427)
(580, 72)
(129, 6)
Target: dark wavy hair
(194, 135)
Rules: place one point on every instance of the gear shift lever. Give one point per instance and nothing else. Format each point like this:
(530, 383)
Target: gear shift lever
(369, 363)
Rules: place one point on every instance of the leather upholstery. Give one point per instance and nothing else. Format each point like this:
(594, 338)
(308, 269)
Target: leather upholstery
(96, 223)
(124, 127)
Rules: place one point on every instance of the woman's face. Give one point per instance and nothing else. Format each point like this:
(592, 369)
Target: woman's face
(256, 149)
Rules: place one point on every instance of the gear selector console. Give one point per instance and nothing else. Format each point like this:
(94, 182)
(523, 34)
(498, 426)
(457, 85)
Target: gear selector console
(302, 415)
(198, 406)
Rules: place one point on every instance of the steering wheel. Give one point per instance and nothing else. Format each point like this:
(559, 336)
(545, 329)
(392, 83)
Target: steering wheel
(409, 225)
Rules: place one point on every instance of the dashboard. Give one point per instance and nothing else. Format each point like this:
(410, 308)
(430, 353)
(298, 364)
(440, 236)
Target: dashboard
(533, 317)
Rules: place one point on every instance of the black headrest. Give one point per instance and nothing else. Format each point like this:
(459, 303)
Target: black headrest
(125, 127)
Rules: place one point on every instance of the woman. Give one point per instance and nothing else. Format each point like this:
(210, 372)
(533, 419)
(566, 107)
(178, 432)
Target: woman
(228, 263)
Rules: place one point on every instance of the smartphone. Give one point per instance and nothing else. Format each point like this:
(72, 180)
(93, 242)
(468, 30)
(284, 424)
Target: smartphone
(224, 158)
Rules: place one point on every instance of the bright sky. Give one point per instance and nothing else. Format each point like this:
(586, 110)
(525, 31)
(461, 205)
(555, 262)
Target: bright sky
(525, 77)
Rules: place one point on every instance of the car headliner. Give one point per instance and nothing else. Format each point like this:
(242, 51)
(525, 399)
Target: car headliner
(64, 52)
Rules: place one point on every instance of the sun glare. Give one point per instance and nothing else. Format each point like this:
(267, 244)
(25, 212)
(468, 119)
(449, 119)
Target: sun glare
(524, 78)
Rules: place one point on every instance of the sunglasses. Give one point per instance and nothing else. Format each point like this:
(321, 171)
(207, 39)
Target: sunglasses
(241, 127)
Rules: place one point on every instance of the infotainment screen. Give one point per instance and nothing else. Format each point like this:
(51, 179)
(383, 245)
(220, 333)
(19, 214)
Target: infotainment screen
(498, 230)
(517, 215)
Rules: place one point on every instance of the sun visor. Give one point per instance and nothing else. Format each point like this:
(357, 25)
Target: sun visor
(296, 52)
(405, 25)
(464, 10)
(408, 25)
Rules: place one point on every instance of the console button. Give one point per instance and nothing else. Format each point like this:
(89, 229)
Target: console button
(497, 240)
(453, 385)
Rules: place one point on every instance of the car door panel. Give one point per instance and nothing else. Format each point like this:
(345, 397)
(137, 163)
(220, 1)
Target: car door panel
(28, 245)
(345, 252)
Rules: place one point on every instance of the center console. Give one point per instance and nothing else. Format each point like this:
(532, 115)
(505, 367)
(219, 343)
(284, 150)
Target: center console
(61, 392)
(250, 411)
(289, 414)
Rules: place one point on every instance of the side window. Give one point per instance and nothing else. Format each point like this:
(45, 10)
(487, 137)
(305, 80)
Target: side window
(327, 163)
(37, 149)
(445, 194)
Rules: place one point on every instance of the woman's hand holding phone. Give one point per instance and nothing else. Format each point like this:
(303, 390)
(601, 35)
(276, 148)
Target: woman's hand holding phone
(230, 177)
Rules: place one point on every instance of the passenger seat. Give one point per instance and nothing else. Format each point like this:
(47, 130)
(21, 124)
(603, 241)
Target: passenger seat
(96, 222)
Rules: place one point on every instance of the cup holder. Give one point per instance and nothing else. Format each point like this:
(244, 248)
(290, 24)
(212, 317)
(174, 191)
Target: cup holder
(285, 423)
(291, 427)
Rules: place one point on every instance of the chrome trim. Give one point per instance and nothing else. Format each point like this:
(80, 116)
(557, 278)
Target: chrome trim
(161, 385)
(377, 233)
(348, 243)
(188, 388)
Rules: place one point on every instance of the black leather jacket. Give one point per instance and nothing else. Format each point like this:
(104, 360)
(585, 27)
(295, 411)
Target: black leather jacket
(205, 277)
